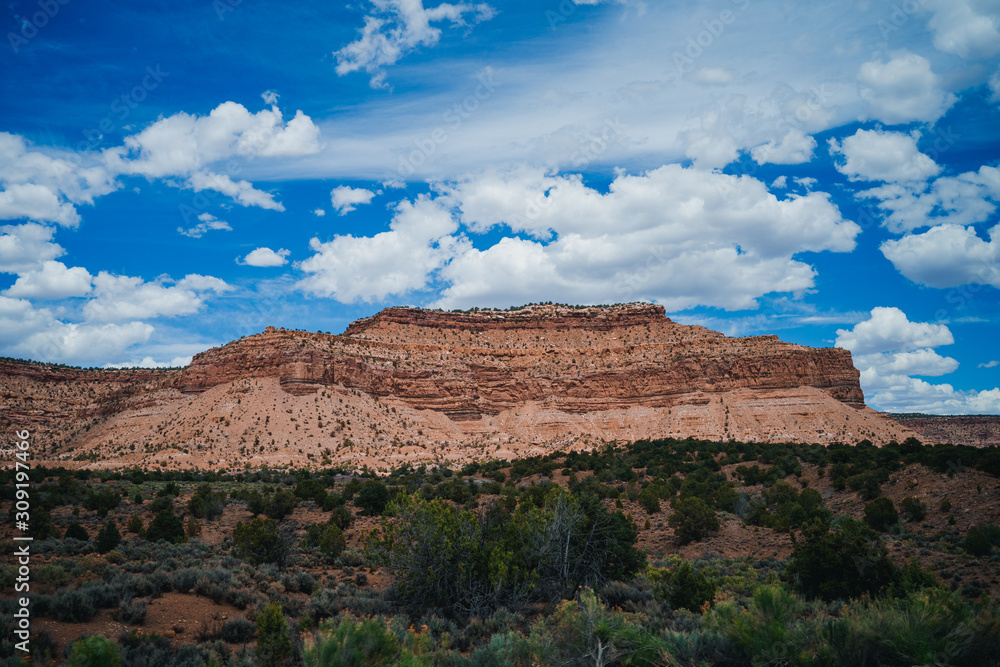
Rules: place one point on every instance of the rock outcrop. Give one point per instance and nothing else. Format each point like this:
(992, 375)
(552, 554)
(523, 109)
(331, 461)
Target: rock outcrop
(578, 360)
(418, 385)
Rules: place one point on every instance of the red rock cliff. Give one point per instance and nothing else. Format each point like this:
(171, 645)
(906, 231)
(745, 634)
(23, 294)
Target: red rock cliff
(578, 359)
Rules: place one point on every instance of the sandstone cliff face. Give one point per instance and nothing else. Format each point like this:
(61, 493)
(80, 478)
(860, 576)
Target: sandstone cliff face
(578, 360)
(57, 399)
(411, 385)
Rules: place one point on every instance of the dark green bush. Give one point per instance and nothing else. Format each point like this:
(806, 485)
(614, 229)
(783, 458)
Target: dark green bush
(274, 642)
(685, 587)
(331, 542)
(238, 630)
(649, 498)
(134, 524)
(281, 504)
(132, 611)
(497, 558)
(169, 489)
(73, 606)
(913, 509)
(94, 651)
(166, 526)
(102, 501)
(205, 503)
(692, 520)
(843, 562)
(352, 643)
(981, 539)
(260, 541)
(372, 497)
(881, 514)
(109, 537)
(77, 532)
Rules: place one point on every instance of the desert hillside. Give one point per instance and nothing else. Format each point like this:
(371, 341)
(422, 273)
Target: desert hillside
(410, 385)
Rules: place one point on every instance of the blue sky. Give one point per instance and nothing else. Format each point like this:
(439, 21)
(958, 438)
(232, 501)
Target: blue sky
(177, 175)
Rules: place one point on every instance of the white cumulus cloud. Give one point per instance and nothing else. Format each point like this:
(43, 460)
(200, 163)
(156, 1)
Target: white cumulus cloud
(967, 28)
(119, 298)
(876, 155)
(45, 185)
(966, 199)
(371, 268)
(947, 256)
(679, 236)
(889, 329)
(889, 350)
(346, 199)
(903, 90)
(794, 147)
(265, 257)
(26, 247)
(208, 223)
(396, 27)
(52, 280)
(30, 333)
(185, 145)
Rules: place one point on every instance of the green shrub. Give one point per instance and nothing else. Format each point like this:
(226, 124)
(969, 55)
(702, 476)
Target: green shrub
(77, 532)
(929, 627)
(238, 630)
(51, 576)
(134, 524)
(769, 630)
(843, 562)
(649, 498)
(584, 632)
(945, 506)
(981, 539)
(685, 587)
(341, 516)
(205, 503)
(692, 520)
(372, 497)
(913, 509)
(170, 489)
(73, 606)
(102, 501)
(280, 505)
(881, 514)
(94, 651)
(352, 644)
(496, 558)
(132, 611)
(331, 542)
(274, 642)
(166, 526)
(109, 537)
(260, 541)
(161, 503)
